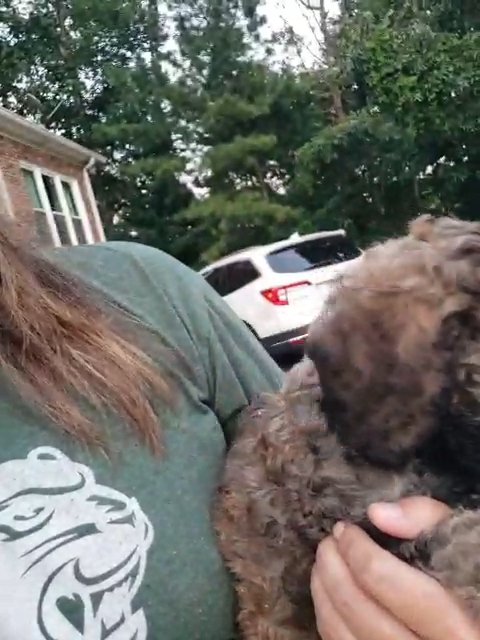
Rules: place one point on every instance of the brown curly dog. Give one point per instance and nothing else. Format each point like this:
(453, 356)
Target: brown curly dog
(386, 406)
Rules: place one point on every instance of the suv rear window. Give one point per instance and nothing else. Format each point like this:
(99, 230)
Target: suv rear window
(312, 254)
(231, 277)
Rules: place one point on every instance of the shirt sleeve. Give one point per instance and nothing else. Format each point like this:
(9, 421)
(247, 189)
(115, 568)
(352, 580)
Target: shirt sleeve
(228, 365)
(239, 367)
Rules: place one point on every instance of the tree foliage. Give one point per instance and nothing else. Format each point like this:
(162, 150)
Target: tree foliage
(214, 144)
(409, 142)
(96, 72)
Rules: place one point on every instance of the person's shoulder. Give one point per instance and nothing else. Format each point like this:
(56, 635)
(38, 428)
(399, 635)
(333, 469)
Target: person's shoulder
(142, 278)
(125, 256)
(122, 250)
(136, 250)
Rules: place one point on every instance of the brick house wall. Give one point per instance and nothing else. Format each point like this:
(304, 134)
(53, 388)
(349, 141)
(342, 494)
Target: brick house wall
(14, 197)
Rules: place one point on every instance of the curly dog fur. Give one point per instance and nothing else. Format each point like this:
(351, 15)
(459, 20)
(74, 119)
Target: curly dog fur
(385, 406)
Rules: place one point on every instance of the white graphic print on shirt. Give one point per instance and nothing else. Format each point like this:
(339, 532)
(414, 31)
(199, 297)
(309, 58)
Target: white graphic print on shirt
(72, 553)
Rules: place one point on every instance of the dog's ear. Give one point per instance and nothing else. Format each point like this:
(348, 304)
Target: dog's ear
(461, 268)
(460, 336)
(455, 246)
(457, 444)
(455, 266)
(444, 232)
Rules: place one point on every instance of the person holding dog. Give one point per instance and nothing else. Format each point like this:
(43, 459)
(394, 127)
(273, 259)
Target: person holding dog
(362, 592)
(122, 377)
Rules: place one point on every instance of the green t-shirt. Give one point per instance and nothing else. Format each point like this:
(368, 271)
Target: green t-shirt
(123, 549)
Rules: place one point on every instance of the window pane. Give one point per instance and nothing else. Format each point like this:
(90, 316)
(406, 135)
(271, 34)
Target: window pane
(62, 229)
(68, 191)
(312, 254)
(231, 277)
(44, 235)
(32, 189)
(240, 274)
(214, 279)
(78, 224)
(51, 193)
(218, 279)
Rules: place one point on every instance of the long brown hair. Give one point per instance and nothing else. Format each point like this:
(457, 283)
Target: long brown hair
(65, 349)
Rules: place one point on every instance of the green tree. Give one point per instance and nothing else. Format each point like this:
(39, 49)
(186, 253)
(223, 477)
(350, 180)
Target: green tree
(247, 119)
(411, 80)
(96, 71)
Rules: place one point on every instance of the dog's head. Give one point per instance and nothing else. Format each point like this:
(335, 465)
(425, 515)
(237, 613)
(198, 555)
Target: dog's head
(398, 350)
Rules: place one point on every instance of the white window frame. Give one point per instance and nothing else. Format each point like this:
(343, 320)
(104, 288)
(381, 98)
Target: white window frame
(47, 210)
(5, 196)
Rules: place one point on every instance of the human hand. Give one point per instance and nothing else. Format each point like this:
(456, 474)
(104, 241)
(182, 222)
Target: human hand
(362, 592)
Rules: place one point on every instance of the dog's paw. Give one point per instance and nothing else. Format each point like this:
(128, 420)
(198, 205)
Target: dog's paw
(451, 554)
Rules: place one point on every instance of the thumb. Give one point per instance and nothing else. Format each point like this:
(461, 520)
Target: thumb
(408, 517)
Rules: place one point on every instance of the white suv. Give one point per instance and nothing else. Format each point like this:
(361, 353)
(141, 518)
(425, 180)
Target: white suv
(279, 289)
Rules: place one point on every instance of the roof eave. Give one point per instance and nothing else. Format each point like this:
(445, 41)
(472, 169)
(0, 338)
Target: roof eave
(34, 135)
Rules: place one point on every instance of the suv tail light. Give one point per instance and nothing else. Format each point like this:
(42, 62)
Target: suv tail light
(279, 295)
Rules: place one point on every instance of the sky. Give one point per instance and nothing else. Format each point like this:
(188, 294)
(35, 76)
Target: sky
(280, 13)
